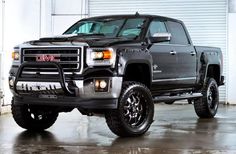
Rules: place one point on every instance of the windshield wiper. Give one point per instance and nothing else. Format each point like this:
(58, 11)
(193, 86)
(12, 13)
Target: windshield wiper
(93, 34)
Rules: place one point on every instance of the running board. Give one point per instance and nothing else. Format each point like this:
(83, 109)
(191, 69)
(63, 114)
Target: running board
(178, 97)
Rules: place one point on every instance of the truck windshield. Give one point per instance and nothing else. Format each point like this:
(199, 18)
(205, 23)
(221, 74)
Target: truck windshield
(127, 28)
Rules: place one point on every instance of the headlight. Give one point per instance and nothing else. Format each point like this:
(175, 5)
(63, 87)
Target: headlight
(100, 57)
(15, 55)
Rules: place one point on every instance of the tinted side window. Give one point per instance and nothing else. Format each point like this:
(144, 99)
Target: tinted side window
(132, 28)
(156, 27)
(178, 35)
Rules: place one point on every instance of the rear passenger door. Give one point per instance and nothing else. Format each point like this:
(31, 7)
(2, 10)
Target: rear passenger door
(185, 52)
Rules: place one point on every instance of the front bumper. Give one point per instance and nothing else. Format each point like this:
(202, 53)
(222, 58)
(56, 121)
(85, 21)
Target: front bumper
(58, 92)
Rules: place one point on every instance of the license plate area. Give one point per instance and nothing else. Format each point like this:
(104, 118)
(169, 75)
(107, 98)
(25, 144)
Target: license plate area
(48, 96)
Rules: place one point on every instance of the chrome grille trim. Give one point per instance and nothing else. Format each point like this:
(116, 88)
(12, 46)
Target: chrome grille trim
(39, 87)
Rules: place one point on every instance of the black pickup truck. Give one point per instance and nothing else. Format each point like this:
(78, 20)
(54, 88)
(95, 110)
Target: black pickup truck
(115, 65)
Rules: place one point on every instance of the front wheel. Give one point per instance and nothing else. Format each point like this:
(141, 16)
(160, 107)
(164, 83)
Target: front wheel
(206, 106)
(35, 118)
(135, 112)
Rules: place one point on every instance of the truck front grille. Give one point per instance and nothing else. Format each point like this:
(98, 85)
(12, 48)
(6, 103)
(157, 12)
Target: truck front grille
(70, 59)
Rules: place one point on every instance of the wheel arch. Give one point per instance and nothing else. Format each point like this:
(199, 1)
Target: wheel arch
(139, 71)
(213, 71)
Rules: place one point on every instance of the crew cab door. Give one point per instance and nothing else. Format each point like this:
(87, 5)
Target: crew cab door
(185, 52)
(164, 58)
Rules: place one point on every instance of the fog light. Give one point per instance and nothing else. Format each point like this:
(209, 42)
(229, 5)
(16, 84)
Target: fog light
(101, 85)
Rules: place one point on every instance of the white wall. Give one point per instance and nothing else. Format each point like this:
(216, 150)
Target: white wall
(66, 14)
(232, 57)
(232, 52)
(21, 23)
(1, 43)
(1, 46)
(57, 16)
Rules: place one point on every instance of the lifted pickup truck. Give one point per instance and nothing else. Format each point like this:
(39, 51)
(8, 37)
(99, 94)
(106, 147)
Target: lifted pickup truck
(117, 66)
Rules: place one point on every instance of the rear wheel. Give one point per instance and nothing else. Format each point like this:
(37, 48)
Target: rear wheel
(135, 111)
(206, 106)
(34, 118)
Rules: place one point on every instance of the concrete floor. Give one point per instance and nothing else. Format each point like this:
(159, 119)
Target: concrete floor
(176, 129)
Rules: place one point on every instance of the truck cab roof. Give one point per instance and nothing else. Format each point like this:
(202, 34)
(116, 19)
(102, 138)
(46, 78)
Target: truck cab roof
(133, 16)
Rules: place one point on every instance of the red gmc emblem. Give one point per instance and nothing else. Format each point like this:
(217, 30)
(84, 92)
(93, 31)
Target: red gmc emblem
(55, 58)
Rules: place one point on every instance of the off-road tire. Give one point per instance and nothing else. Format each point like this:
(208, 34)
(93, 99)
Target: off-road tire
(135, 111)
(26, 119)
(206, 106)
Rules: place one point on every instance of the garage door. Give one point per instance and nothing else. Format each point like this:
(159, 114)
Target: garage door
(205, 19)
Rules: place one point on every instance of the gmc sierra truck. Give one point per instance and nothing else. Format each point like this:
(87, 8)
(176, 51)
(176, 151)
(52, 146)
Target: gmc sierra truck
(115, 65)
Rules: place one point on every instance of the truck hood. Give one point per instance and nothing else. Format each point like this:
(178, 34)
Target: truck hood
(91, 40)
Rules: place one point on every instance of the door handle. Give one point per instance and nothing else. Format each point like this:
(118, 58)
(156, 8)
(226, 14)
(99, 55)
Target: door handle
(173, 52)
(193, 53)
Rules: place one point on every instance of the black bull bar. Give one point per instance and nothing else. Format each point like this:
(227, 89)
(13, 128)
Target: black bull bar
(60, 78)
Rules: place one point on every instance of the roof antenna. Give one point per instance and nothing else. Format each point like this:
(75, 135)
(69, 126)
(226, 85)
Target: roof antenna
(137, 14)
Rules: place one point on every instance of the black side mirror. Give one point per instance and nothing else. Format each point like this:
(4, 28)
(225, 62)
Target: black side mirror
(160, 37)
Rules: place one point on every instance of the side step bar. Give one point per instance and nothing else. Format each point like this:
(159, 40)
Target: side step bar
(158, 99)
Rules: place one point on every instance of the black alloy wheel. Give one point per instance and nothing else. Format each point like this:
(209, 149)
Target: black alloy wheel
(135, 112)
(207, 106)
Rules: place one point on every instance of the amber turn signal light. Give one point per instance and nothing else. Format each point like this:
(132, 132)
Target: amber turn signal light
(15, 55)
(107, 54)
